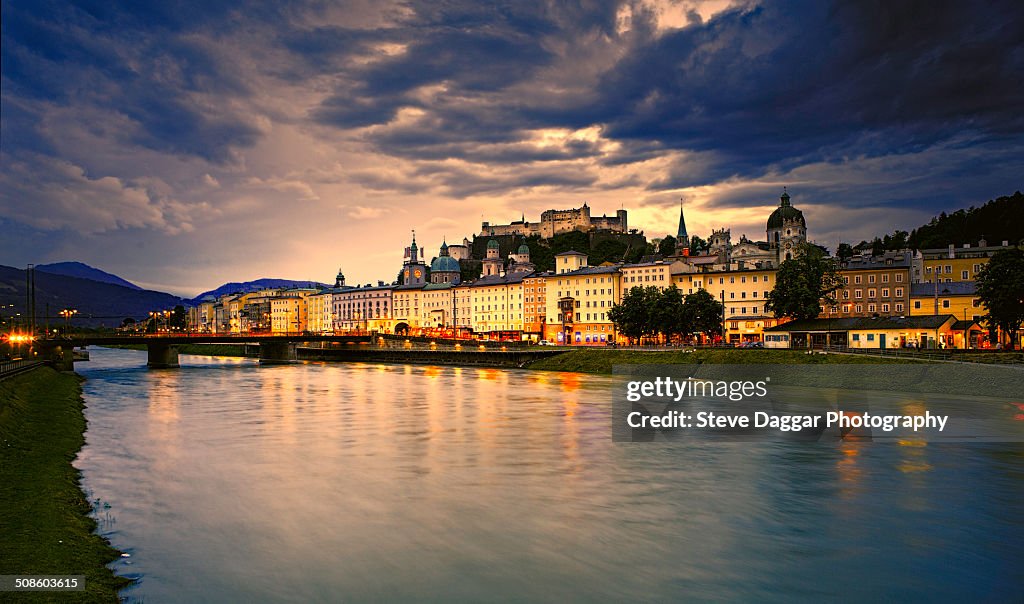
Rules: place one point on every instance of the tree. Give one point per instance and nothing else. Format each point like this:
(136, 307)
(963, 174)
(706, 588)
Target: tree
(667, 247)
(1000, 285)
(631, 316)
(669, 315)
(178, 318)
(803, 283)
(702, 313)
(877, 247)
(844, 252)
(697, 245)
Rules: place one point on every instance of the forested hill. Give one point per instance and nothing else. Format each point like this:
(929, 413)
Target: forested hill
(999, 220)
(996, 221)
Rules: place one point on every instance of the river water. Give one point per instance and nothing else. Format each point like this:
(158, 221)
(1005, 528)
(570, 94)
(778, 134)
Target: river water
(225, 481)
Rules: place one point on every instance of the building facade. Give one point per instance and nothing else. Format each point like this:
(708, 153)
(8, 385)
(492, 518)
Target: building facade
(578, 298)
(873, 286)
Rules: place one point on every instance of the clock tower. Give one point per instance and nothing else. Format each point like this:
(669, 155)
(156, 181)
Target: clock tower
(414, 270)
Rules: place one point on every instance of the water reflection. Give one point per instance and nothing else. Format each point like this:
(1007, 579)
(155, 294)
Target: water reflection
(233, 482)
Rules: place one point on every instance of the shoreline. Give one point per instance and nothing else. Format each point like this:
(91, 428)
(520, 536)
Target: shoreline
(585, 360)
(45, 516)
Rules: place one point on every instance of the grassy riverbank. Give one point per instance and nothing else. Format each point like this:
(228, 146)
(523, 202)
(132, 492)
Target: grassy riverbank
(591, 360)
(44, 516)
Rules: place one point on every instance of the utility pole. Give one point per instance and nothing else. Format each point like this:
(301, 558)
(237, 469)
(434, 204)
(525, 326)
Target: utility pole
(30, 298)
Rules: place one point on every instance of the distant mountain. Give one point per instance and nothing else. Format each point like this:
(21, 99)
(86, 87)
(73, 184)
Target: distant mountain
(97, 303)
(251, 286)
(84, 271)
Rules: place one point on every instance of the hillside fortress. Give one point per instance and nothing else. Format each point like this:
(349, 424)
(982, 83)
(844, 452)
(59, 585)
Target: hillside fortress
(553, 222)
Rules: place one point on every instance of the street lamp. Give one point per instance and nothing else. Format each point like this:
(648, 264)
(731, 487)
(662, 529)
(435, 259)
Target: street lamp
(67, 313)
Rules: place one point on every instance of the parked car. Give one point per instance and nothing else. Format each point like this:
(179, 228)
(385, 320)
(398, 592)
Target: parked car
(546, 343)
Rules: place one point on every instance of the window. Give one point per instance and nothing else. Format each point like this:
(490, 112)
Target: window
(856, 337)
(859, 308)
(899, 307)
(871, 293)
(917, 304)
(857, 293)
(885, 292)
(945, 304)
(885, 278)
(871, 278)
(885, 308)
(899, 277)
(963, 275)
(856, 278)
(871, 337)
(871, 308)
(899, 292)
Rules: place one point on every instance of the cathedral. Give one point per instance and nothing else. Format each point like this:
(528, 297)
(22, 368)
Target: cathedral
(785, 230)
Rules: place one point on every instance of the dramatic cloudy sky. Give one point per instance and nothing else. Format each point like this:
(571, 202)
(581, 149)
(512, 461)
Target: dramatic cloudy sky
(183, 144)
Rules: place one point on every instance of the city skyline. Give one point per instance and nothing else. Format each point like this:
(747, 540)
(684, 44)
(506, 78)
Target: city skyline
(184, 147)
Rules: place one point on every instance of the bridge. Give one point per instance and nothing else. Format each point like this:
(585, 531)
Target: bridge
(163, 348)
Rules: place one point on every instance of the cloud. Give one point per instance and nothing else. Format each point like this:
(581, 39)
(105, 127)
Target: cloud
(176, 130)
(52, 194)
(365, 213)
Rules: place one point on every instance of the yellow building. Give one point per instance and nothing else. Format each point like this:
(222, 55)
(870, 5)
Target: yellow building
(657, 274)
(933, 331)
(463, 304)
(897, 332)
(288, 311)
(954, 264)
(744, 293)
(955, 298)
(408, 301)
(319, 312)
(497, 305)
(438, 308)
(578, 298)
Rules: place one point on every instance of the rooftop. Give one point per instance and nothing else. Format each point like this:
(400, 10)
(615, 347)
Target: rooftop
(953, 288)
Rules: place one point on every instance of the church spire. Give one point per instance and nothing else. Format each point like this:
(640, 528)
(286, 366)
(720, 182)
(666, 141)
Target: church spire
(681, 235)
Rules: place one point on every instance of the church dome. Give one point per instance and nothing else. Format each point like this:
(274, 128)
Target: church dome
(524, 249)
(492, 244)
(785, 212)
(445, 264)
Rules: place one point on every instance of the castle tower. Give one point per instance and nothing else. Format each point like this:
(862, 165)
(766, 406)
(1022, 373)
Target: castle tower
(492, 263)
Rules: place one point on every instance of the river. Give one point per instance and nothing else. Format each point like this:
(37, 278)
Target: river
(225, 481)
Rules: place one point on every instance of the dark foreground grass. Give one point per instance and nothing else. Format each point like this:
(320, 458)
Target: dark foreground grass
(45, 527)
(602, 360)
